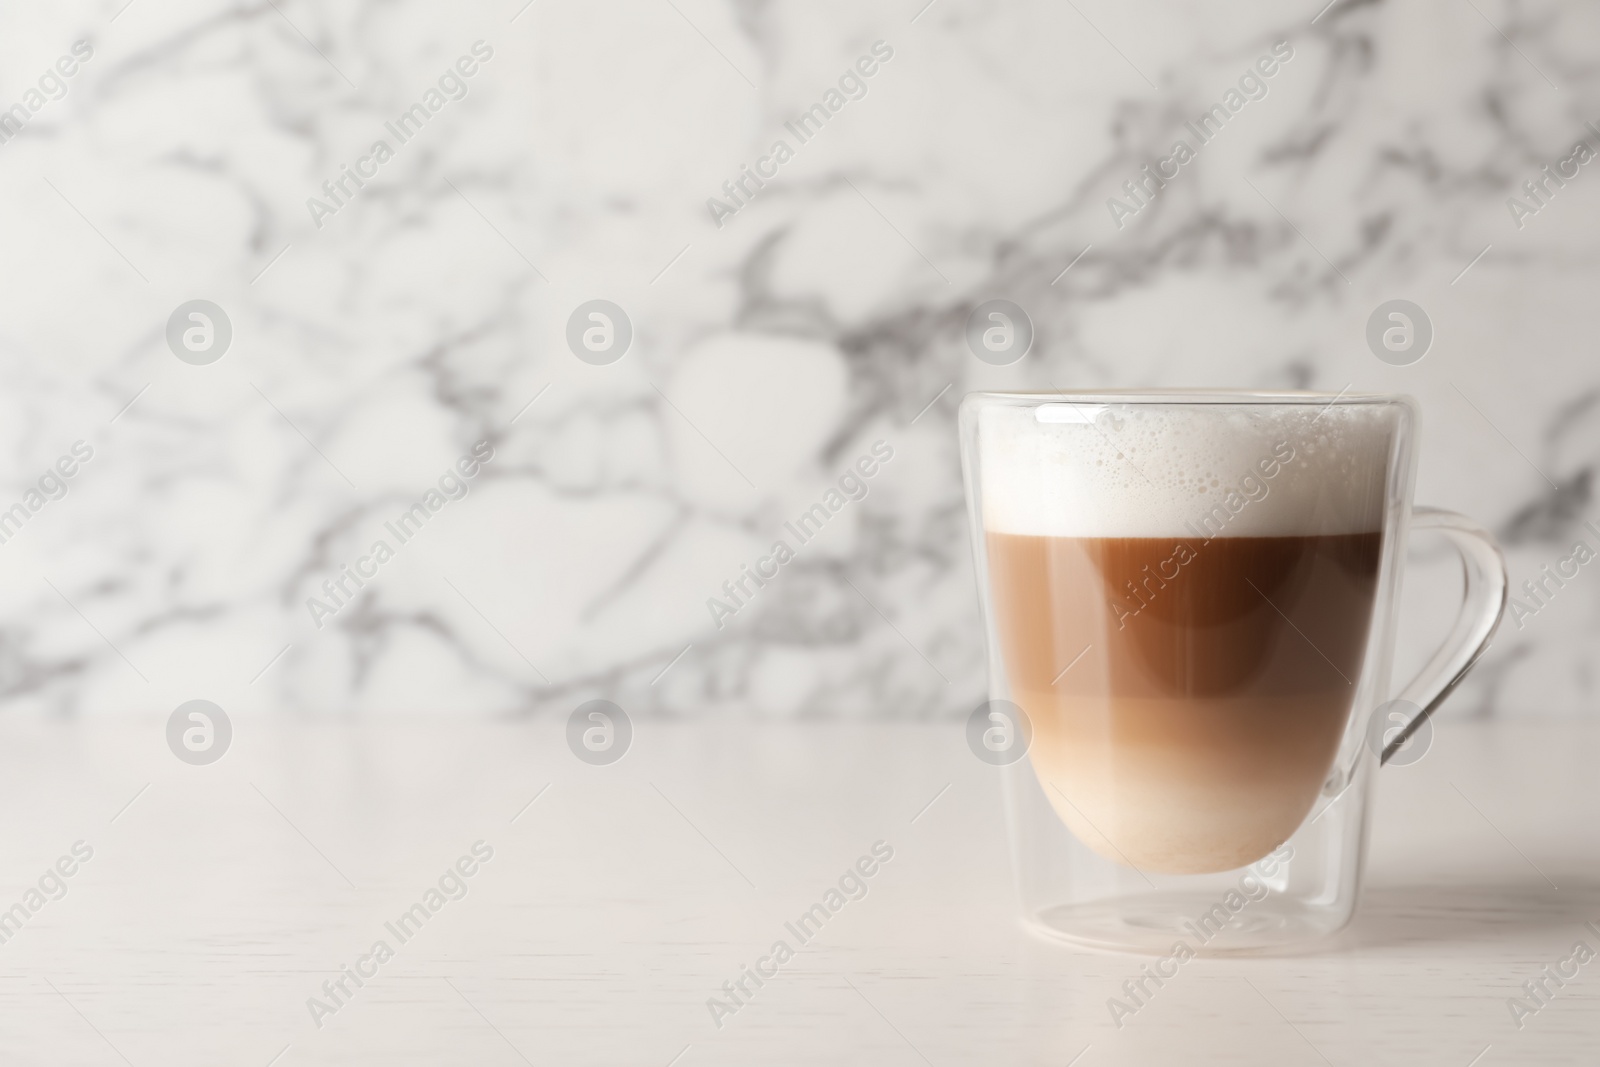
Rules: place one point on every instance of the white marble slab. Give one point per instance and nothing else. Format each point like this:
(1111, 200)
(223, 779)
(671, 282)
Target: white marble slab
(429, 310)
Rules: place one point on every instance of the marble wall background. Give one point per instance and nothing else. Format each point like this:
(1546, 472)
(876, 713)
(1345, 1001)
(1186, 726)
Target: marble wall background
(430, 313)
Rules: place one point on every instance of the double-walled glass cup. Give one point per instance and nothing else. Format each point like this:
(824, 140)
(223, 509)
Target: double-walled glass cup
(1189, 600)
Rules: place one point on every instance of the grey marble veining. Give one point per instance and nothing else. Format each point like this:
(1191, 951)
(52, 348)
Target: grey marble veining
(375, 345)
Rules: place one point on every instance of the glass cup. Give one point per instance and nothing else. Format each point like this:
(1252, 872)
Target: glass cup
(1189, 600)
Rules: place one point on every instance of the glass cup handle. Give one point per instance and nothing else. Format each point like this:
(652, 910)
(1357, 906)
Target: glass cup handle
(1482, 606)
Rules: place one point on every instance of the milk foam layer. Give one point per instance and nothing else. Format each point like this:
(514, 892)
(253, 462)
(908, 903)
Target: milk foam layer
(1090, 470)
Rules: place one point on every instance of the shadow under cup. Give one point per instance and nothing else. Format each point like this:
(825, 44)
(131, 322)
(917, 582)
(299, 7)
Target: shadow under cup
(1188, 596)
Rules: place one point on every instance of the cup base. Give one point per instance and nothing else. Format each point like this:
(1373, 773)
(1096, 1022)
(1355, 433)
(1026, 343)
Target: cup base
(1157, 924)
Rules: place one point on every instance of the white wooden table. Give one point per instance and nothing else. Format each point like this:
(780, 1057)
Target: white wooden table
(221, 898)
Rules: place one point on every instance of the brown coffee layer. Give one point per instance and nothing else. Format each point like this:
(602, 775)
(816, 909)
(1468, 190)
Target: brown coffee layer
(1214, 683)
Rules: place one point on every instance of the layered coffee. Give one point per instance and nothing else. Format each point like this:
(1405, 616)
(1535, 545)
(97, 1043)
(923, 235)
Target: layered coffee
(1182, 598)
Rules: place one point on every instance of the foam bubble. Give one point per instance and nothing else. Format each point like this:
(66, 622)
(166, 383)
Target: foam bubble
(1150, 470)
